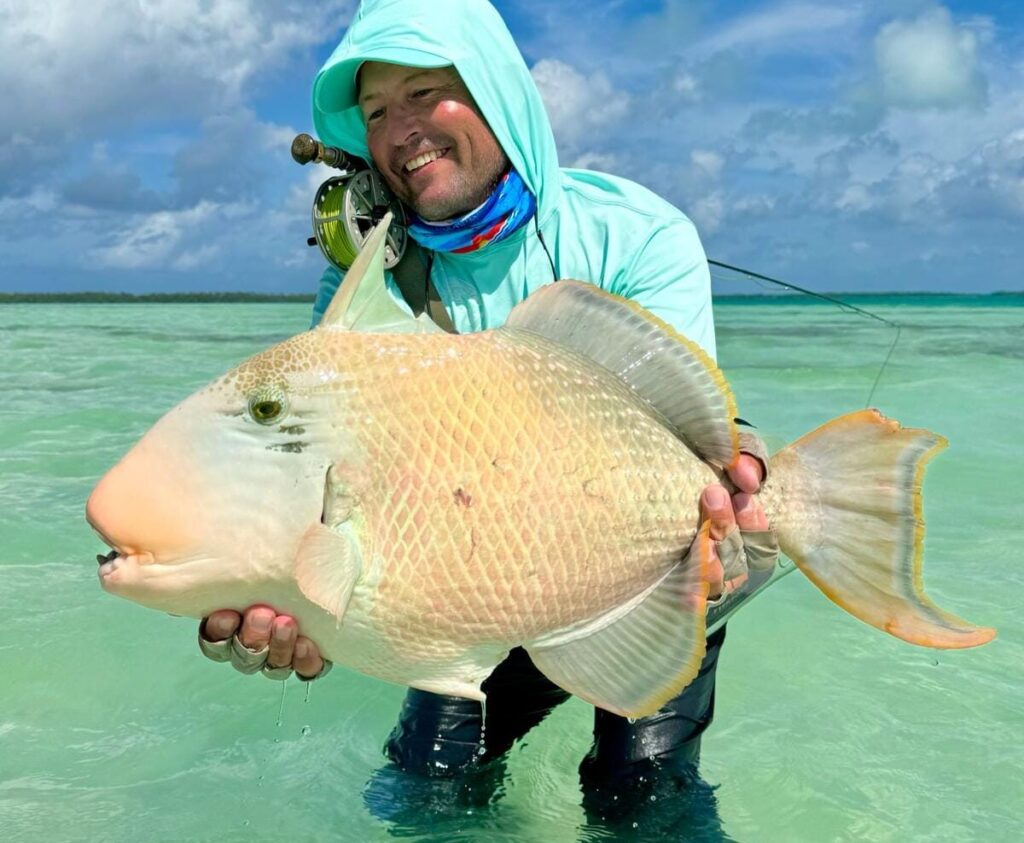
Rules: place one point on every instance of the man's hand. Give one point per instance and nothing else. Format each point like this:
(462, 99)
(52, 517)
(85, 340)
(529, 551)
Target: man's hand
(262, 627)
(726, 514)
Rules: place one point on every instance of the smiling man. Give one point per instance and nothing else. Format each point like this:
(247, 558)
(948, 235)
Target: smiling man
(428, 139)
(438, 96)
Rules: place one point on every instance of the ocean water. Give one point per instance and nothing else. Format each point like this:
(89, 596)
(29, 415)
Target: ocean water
(114, 728)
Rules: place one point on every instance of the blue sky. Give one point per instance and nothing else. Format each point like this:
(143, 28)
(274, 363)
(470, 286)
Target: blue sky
(840, 145)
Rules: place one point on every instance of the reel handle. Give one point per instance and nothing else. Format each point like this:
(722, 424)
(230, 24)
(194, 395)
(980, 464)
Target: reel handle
(306, 148)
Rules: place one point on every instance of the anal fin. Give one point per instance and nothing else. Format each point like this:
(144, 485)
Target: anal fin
(637, 657)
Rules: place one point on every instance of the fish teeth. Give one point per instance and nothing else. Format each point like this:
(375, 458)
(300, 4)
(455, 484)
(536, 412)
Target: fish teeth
(422, 160)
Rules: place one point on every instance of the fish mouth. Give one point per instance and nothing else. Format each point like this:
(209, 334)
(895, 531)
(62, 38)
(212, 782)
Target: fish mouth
(108, 561)
(116, 557)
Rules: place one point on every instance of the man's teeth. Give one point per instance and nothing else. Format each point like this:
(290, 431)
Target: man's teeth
(421, 160)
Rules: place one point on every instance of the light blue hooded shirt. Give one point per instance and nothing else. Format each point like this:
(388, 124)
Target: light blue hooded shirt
(598, 228)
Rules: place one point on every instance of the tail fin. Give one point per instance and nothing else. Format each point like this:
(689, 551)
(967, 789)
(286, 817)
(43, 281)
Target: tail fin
(845, 502)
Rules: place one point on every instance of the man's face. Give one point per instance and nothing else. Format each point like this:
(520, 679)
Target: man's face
(428, 139)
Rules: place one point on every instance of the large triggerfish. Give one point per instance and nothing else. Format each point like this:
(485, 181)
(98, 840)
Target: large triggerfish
(422, 502)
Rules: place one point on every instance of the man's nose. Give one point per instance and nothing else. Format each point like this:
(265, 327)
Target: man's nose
(404, 126)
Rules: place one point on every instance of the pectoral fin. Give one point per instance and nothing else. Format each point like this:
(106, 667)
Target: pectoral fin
(327, 567)
(638, 657)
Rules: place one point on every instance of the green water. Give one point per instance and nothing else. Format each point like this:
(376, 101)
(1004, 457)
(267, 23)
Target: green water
(114, 728)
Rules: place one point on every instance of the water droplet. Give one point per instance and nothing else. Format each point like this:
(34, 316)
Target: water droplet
(246, 823)
(309, 687)
(636, 825)
(306, 730)
(437, 747)
(280, 709)
(654, 798)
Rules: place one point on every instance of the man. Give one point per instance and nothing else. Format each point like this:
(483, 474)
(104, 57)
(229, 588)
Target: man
(438, 96)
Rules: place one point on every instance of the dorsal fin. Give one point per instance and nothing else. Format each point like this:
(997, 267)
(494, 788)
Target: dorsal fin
(673, 374)
(362, 301)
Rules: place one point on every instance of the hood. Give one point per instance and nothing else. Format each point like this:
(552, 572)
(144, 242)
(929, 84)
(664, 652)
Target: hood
(468, 34)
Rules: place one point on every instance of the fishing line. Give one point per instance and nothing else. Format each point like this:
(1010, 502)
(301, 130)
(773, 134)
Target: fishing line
(852, 308)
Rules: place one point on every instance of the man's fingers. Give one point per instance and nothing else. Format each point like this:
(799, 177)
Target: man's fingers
(220, 625)
(256, 627)
(282, 642)
(749, 513)
(747, 474)
(729, 586)
(716, 574)
(307, 661)
(717, 508)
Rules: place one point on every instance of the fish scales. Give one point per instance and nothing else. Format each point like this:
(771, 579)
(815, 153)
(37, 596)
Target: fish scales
(516, 488)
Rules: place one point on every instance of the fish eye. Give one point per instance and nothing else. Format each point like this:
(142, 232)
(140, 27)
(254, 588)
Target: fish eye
(266, 407)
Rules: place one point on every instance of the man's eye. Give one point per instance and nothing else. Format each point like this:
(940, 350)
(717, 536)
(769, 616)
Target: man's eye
(422, 92)
(375, 114)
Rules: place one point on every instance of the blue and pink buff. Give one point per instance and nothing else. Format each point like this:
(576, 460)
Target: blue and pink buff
(509, 207)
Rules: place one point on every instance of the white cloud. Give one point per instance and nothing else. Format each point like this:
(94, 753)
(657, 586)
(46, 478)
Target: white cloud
(67, 65)
(854, 198)
(196, 258)
(708, 212)
(708, 162)
(754, 206)
(782, 26)
(577, 104)
(987, 183)
(685, 84)
(154, 241)
(929, 62)
(596, 161)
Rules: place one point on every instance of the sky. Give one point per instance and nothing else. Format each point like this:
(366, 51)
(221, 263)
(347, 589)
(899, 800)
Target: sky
(842, 146)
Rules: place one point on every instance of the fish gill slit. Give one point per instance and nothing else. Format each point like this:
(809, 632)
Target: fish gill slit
(288, 447)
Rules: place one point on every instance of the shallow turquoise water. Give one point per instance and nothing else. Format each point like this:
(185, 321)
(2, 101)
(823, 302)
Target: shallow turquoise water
(113, 728)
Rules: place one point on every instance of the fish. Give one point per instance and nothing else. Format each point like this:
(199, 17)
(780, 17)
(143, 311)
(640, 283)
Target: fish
(423, 502)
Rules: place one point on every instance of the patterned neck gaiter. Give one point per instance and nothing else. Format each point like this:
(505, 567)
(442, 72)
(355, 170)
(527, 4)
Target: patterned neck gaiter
(509, 207)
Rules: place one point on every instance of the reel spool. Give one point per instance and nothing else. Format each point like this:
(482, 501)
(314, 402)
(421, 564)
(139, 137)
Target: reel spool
(345, 211)
(348, 206)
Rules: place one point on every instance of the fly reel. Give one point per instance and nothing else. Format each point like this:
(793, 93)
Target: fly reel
(349, 205)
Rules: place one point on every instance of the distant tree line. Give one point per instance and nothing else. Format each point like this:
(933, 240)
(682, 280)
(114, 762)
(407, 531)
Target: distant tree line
(151, 298)
(1013, 297)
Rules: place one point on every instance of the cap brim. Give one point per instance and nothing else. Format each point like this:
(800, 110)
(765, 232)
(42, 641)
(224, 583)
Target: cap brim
(336, 90)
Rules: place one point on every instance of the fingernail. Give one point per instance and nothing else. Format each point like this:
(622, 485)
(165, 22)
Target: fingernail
(218, 629)
(262, 623)
(301, 650)
(716, 497)
(742, 502)
(286, 632)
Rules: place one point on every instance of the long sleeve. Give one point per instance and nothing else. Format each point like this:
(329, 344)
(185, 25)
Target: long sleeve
(670, 277)
(329, 283)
